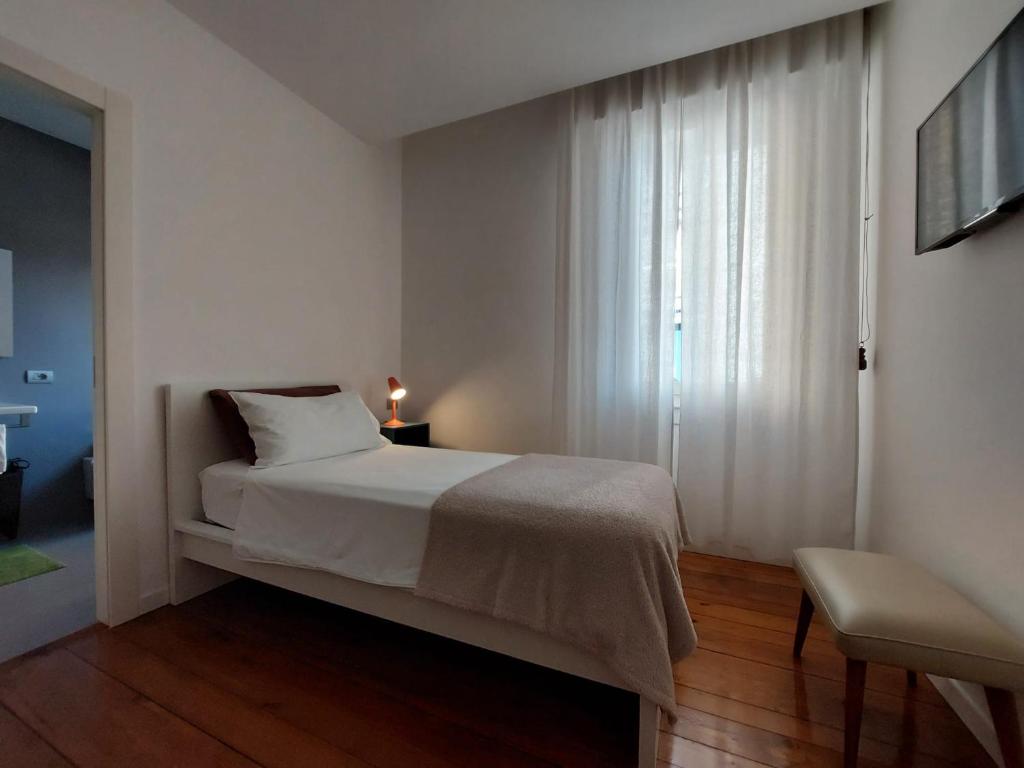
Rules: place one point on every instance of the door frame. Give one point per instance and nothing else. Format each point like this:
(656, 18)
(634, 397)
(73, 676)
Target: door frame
(114, 397)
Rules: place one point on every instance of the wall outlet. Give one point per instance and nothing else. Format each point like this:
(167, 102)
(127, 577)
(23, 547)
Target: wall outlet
(39, 377)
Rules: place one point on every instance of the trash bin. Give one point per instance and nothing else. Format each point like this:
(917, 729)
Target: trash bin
(10, 497)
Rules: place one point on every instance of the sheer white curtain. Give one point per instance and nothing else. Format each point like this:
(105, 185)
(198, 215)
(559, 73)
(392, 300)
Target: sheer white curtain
(735, 176)
(618, 217)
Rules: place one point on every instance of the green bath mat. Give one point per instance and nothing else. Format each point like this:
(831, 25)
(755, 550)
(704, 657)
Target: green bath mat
(19, 562)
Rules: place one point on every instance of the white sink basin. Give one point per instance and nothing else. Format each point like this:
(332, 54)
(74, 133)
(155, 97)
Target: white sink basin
(23, 412)
(12, 409)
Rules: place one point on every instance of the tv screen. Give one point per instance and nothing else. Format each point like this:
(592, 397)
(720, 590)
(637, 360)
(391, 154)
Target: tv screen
(970, 150)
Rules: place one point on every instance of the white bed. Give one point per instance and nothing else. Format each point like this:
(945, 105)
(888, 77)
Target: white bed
(363, 515)
(370, 492)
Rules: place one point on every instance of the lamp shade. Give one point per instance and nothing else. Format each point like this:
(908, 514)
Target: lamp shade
(395, 389)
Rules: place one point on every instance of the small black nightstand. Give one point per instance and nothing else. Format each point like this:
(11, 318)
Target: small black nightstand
(410, 433)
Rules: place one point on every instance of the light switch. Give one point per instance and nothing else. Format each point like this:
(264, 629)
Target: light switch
(39, 377)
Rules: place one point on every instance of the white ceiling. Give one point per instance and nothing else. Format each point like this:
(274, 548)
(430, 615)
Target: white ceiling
(387, 68)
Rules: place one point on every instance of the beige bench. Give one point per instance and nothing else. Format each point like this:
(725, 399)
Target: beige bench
(886, 610)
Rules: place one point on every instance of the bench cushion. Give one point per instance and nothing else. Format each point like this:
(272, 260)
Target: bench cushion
(891, 611)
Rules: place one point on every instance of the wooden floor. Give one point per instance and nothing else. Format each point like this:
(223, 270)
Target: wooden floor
(252, 676)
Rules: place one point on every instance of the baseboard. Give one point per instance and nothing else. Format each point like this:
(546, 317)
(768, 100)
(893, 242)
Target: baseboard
(968, 701)
(153, 600)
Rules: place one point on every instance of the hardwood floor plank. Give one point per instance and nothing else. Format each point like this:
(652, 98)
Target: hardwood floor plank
(750, 612)
(763, 572)
(683, 753)
(249, 730)
(358, 719)
(748, 643)
(22, 747)
(935, 730)
(787, 613)
(775, 749)
(778, 637)
(805, 731)
(96, 722)
(734, 587)
(751, 743)
(521, 699)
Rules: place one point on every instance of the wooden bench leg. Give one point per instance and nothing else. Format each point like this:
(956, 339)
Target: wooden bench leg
(856, 672)
(803, 623)
(1003, 706)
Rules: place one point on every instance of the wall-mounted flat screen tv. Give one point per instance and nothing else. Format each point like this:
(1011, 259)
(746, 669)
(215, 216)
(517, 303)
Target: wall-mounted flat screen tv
(970, 150)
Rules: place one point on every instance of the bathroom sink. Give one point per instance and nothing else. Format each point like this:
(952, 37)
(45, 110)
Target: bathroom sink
(23, 412)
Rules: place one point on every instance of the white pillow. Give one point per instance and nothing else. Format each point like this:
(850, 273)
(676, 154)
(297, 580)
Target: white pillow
(287, 430)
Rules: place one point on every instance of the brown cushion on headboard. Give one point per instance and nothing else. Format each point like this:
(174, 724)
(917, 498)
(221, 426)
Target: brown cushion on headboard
(234, 425)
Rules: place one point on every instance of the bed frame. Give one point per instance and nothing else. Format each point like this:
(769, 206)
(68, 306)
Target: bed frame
(201, 559)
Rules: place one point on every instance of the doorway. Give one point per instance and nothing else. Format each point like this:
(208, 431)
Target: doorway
(47, 542)
(113, 397)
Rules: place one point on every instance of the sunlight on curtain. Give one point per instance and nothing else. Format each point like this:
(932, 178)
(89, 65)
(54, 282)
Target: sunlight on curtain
(733, 179)
(768, 285)
(618, 218)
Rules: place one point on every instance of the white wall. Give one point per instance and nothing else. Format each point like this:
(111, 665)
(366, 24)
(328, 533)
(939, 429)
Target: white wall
(267, 238)
(478, 305)
(949, 426)
(948, 380)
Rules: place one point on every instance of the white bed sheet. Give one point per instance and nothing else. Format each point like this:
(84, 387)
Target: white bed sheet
(222, 486)
(364, 515)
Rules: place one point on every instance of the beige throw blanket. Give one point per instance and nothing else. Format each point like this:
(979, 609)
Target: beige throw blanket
(582, 550)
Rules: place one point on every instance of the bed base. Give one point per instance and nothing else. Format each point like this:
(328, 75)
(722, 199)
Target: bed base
(201, 559)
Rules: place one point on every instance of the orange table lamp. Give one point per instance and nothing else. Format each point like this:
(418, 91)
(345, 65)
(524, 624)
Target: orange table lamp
(395, 392)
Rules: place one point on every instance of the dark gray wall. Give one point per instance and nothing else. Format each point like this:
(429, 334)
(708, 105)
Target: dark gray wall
(44, 220)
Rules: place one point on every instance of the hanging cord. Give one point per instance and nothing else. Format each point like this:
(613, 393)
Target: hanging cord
(864, 308)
